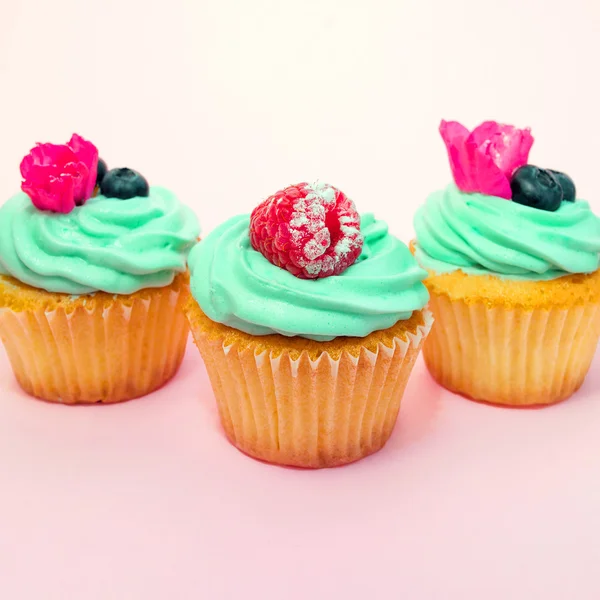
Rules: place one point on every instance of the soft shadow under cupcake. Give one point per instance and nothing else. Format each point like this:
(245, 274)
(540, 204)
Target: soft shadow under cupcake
(421, 406)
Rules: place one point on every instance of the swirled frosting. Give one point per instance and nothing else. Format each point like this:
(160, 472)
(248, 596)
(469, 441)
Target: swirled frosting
(481, 234)
(109, 245)
(236, 285)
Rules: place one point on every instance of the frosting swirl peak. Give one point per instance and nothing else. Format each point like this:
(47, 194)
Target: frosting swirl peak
(109, 245)
(482, 234)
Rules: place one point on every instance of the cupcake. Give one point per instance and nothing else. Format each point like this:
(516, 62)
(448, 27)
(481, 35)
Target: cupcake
(309, 319)
(93, 278)
(512, 257)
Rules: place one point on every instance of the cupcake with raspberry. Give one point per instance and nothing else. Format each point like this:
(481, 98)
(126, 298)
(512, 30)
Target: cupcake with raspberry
(513, 262)
(93, 277)
(309, 318)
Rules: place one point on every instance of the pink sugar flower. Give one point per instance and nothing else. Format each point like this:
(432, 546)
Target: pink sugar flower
(58, 177)
(484, 160)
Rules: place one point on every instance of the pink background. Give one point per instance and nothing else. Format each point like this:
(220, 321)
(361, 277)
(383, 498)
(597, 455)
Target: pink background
(226, 101)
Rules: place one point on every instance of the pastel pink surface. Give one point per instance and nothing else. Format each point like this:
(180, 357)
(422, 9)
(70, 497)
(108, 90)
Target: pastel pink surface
(226, 102)
(148, 500)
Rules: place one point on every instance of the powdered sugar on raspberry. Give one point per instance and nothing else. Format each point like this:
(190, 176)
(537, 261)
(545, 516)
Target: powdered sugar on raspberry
(322, 191)
(312, 230)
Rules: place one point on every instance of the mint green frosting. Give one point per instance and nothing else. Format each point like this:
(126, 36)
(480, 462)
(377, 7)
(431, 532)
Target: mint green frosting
(236, 285)
(488, 235)
(109, 245)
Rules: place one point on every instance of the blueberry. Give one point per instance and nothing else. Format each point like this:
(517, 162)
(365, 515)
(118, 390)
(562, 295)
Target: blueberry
(124, 184)
(536, 187)
(567, 185)
(102, 168)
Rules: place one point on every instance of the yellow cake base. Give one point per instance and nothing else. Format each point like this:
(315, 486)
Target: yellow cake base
(291, 401)
(517, 343)
(93, 348)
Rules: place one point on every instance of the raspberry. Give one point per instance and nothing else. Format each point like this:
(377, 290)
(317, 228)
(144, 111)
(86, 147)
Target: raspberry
(312, 230)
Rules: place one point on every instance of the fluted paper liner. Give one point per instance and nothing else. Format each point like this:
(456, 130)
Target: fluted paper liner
(513, 356)
(107, 354)
(309, 413)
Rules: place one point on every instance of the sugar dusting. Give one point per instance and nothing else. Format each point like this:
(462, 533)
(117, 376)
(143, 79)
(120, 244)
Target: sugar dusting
(317, 246)
(322, 191)
(302, 241)
(324, 194)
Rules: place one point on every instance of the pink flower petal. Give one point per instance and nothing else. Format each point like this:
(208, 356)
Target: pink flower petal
(56, 195)
(516, 149)
(86, 153)
(484, 160)
(485, 132)
(508, 146)
(79, 173)
(46, 155)
(58, 177)
(486, 177)
(455, 135)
